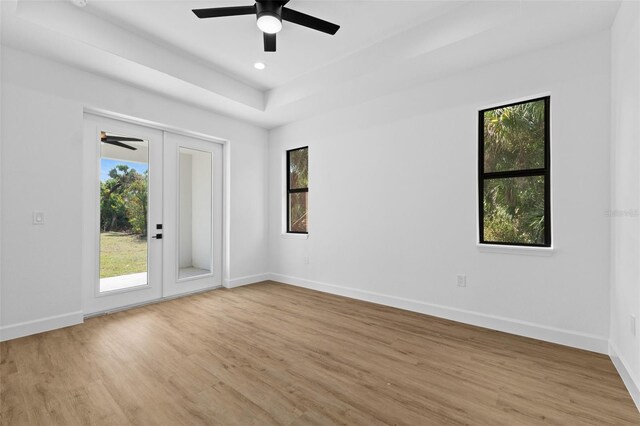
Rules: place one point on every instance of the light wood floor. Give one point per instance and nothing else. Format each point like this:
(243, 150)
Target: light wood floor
(274, 354)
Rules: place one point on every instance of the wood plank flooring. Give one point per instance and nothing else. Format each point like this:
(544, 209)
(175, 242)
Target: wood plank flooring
(274, 354)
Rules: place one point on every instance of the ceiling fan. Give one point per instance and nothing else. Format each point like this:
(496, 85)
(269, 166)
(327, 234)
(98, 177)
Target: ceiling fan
(117, 140)
(270, 14)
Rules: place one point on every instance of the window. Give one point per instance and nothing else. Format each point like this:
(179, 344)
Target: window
(513, 174)
(297, 190)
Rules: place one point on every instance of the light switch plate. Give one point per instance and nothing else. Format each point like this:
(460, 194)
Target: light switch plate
(38, 218)
(461, 280)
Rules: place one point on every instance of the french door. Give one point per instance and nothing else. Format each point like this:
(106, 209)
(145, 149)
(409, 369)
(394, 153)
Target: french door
(192, 258)
(153, 226)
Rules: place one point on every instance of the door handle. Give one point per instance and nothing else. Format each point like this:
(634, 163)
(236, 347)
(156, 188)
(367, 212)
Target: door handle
(157, 236)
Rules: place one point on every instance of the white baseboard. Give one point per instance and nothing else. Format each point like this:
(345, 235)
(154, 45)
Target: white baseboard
(28, 328)
(249, 279)
(550, 334)
(619, 363)
(574, 339)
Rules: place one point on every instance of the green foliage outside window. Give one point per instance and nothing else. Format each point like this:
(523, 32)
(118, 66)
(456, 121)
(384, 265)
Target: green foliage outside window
(299, 168)
(123, 201)
(514, 210)
(514, 206)
(298, 183)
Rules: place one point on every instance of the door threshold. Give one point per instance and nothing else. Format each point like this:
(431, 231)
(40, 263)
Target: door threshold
(150, 302)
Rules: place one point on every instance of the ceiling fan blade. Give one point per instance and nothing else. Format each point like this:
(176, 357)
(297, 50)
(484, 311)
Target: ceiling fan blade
(120, 144)
(216, 12)
(309, 21)
(123, 138)
(269, 42)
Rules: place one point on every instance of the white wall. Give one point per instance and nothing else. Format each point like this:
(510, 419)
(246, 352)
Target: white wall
(42, 113)
(625, 202)
(414, 149)
(393, 200)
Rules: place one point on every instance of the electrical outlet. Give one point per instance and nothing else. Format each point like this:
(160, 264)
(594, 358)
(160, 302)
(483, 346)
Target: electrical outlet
(38, 218)
(306, 260)
(462, 280)
(632, 324)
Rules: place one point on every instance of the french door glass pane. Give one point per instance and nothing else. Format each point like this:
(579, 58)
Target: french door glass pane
(124, 177)
(195, 249)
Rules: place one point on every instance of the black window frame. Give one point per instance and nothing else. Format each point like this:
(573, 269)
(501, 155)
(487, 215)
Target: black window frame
(294, 190)
(545, 172)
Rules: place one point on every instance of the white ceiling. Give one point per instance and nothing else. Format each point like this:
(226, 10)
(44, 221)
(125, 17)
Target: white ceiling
(382, 47)
(234, 44)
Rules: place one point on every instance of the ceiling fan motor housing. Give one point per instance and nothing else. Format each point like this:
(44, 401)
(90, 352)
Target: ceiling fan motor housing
(269, 8)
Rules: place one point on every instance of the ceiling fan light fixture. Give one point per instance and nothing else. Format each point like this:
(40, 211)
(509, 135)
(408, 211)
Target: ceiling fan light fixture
(269, 14)
(269, 23)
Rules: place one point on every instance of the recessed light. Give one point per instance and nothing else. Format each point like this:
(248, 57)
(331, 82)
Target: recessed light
(259, 65)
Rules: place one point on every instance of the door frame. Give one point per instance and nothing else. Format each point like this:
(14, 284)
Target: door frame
(90, 171)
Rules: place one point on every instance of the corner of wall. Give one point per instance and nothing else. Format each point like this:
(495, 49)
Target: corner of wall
(625, 374)
(625, 188)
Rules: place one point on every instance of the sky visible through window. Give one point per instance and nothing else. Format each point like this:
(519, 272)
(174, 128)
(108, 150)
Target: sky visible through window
(106, 165)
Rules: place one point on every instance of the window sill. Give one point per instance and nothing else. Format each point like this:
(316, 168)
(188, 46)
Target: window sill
(504, 249)
(294, 236)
